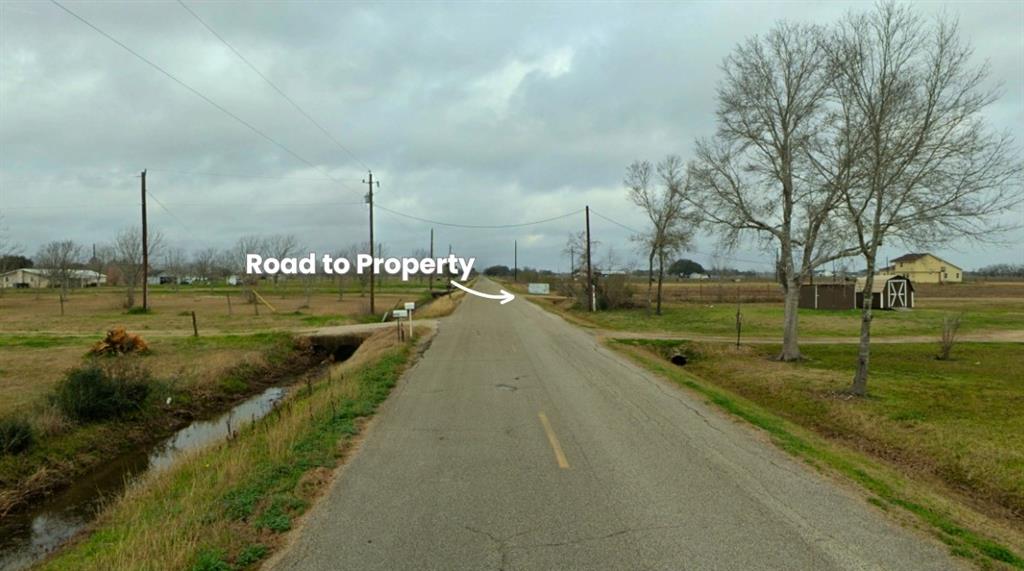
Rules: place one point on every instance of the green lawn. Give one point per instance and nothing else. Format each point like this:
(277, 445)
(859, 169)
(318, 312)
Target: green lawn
(941, 441)
(765, 319)
(961, 421)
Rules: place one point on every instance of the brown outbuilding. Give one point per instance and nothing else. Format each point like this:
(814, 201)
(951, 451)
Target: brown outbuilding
(896, 292)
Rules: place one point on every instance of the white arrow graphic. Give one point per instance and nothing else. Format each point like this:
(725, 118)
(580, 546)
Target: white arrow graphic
(504, 296)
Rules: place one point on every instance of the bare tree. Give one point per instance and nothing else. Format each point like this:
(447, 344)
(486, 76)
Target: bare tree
(671, 223)
(175, 262)
(8, 248)
(233, 260)
(204, 264)
(576, 247)
(281, 246)
(58, 261)
(926, 168)
(128, 257)
(754, 178)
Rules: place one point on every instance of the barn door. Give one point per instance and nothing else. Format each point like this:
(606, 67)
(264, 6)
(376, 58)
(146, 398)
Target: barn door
(897, 290)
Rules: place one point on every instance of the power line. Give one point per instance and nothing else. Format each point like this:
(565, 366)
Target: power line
(233, 175)
(172, 215)
(617, 223)
(195, 91)
(273, 85)
(481, 226)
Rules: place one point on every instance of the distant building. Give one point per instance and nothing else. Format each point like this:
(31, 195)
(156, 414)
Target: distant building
(923, 268)
(887, 292)
(40, 277)
(697, 276)
(828, 296)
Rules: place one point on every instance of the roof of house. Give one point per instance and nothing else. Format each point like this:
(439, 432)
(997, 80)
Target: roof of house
(76, 274)
(918, 256)
(880, 281)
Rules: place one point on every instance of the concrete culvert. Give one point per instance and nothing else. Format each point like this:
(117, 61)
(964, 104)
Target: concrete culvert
(678, 359)
(337, 347)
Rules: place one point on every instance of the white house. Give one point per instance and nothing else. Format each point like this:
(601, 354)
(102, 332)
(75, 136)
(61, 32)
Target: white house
(40, 277)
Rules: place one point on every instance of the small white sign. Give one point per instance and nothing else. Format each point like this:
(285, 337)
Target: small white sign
(409, 306)
(539, 289)
(398, 313)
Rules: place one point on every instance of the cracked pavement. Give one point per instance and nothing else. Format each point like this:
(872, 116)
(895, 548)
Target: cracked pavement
(457, 472)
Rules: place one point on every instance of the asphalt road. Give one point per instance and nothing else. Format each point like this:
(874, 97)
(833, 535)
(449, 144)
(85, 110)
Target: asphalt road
(518, 442)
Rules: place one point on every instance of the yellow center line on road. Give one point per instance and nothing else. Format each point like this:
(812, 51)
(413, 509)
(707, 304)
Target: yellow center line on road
(553, 440)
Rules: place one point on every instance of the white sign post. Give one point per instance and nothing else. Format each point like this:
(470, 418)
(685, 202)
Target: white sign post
(398, 315)
(410, 306)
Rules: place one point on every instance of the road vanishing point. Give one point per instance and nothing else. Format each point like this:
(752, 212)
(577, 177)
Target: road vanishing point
(519, 442)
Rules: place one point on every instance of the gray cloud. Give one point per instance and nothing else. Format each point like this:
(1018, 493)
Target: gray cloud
(475, 114)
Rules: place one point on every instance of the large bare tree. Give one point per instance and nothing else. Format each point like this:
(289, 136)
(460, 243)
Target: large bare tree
(666, 207)
(925, 168)
(754, 178)
(58, 261)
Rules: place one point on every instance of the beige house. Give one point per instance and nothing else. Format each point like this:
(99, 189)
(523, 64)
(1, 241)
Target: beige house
(39, 277)
(924, 268)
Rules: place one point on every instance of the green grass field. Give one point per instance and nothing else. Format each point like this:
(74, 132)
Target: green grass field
(765, 319)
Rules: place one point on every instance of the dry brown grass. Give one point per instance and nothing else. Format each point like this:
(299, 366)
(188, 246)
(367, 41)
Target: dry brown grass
(91, 312)
(441, 306)
(27, 374)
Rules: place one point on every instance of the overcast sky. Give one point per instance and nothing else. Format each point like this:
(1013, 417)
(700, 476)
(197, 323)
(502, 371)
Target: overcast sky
(472, 114)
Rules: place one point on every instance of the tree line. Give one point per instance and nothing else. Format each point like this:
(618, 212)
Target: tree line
(121, 260)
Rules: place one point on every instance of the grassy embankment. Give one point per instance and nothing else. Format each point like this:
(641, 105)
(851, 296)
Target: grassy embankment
(228, 507)
(199, 376)
(912, 446)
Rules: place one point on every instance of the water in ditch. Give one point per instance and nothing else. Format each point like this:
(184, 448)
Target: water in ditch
(29, 536)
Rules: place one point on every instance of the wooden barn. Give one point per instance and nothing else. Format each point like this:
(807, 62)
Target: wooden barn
(895, 292)
(828, 296)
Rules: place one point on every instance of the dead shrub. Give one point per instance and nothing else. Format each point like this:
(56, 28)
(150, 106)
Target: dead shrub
(950, 327)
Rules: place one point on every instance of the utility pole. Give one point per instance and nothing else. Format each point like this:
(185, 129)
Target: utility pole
(515, 261)
(572, 261)
(369, 200)
(145, 248)
(431, 279)
(590, 270)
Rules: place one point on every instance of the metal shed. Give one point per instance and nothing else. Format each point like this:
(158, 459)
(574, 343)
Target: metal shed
(896, 292)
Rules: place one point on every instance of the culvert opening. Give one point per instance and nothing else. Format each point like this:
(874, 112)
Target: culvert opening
(338, 348)
(678, 359)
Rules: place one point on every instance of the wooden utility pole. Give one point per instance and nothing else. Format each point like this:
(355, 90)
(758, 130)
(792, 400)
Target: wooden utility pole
(590, 270)
(369, 200)
(431, 279)
(572, 262)
(145, 248)
(515, 261)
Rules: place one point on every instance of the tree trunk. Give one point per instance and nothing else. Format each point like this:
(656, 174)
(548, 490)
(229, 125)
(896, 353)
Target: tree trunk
(650, 280)
(860, 378)
(661, 277)
(790, 328)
